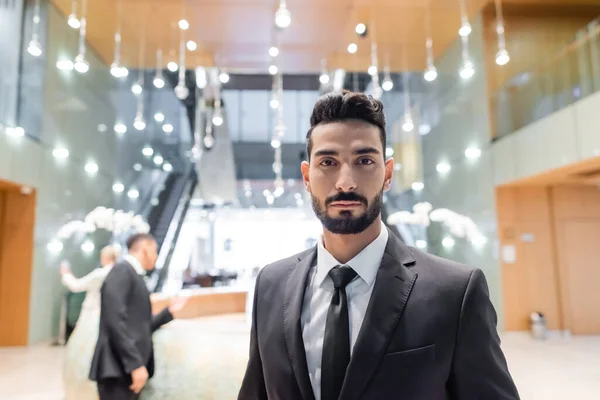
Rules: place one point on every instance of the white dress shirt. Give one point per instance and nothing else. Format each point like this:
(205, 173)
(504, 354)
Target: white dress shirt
(318, 294)
(135, 264)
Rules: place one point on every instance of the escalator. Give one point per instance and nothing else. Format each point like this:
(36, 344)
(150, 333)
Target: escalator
(166, 221)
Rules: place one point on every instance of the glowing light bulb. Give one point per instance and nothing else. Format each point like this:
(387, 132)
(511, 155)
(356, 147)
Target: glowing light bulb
(172, 66)
(34, 48)
(502, 57)
(465, 29)
(191, 45)
(73, 21)
(387, 85)
(158, 82)
(283, 17)
(360, 28)
(184, 25)
(430, 74)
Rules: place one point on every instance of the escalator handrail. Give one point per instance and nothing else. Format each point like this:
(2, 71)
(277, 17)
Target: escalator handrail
(175, 225)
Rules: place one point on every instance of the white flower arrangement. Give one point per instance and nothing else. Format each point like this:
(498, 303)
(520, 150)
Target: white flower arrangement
(459, 225)
(115, 221)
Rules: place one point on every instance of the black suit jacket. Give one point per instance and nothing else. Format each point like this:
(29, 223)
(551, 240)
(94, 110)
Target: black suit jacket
(126, 325)
(429, 333)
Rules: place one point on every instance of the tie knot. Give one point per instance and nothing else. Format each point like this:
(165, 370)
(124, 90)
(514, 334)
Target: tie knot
(342, 276)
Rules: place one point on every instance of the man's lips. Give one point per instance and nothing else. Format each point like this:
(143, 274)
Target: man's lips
(346, 204)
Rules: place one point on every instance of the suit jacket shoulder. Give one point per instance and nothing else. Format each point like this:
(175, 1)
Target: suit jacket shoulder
(444, 273)
(277, 271)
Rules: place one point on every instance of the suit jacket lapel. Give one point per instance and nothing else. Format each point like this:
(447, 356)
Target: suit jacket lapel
(292, 311)
(393, 285)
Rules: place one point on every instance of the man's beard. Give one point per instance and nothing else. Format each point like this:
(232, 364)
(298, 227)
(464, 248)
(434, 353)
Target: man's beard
(346, 223)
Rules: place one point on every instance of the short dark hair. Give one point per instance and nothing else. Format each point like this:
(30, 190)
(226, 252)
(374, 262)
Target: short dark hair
(345, 105)
(138, 237)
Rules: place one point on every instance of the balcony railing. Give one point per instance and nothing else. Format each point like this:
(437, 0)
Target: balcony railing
(568, 76)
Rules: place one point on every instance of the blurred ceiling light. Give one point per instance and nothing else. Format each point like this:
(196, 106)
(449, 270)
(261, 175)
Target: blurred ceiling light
(360, 29)
(118, 187)
(183, 25)
(60, 153)
(120, 128)
(224, 77)
(167, 128)
(64, 65)
(172, 66)
(417, 186)
(283, 17)
(148, 151)
(133, 194)
(91, 168)
(430, 74)
(191, 45)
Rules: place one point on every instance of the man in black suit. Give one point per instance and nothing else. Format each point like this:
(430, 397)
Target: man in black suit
(362, 315)
(124, 360)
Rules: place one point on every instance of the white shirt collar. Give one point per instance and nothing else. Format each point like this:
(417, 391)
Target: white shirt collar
(134, 263)
(366, 263)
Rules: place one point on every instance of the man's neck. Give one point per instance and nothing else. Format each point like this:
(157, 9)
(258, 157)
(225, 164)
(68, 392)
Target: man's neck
(345, 247)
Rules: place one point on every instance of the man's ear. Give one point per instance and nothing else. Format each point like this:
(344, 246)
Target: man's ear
(305, 169)
(389, 171)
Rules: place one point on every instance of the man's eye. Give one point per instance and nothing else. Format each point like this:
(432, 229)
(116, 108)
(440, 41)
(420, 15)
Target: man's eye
(327, 163)
(365, 161)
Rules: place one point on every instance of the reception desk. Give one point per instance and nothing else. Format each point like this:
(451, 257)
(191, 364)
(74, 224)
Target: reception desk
(205, 301)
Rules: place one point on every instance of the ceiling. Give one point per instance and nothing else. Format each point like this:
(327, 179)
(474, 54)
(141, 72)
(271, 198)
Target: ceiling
(237, 34)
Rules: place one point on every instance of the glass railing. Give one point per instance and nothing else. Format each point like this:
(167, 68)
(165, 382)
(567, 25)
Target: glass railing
(568, 76)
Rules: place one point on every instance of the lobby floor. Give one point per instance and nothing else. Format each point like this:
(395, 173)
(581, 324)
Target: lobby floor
(556, 369)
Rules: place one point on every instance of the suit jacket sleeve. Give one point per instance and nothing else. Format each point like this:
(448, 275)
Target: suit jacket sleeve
(253, 385)
(479, 368)
(161, 318)
(114, 305)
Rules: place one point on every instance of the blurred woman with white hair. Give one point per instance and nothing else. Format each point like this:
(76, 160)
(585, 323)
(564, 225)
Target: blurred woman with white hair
(82, 341)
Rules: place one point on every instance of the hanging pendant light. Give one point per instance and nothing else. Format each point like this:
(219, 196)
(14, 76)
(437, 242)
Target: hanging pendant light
(465, 26)
(72, 20)
(81, 65)
(159, 81)
(283, 17)
(502, 56)
(34, 48)
(181, 90)
(430, 73)
(467, 69)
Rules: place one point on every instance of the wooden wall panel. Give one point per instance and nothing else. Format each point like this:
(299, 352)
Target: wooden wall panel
(16, 258)
(530, 283)
(556, 268)
(577, 220)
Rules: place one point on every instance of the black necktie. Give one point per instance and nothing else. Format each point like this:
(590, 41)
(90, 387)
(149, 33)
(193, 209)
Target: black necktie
(336, 343)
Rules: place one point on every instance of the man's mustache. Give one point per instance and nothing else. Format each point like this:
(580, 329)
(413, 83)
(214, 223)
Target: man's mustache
(345, 196)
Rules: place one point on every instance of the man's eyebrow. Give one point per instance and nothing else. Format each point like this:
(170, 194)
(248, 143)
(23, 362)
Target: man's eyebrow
(366, 150)
(326, 153)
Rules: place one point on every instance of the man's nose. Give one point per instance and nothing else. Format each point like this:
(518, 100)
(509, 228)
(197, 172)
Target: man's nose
(345, 181)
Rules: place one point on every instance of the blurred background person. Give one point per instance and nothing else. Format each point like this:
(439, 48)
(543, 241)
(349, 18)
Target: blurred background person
(82, 341)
